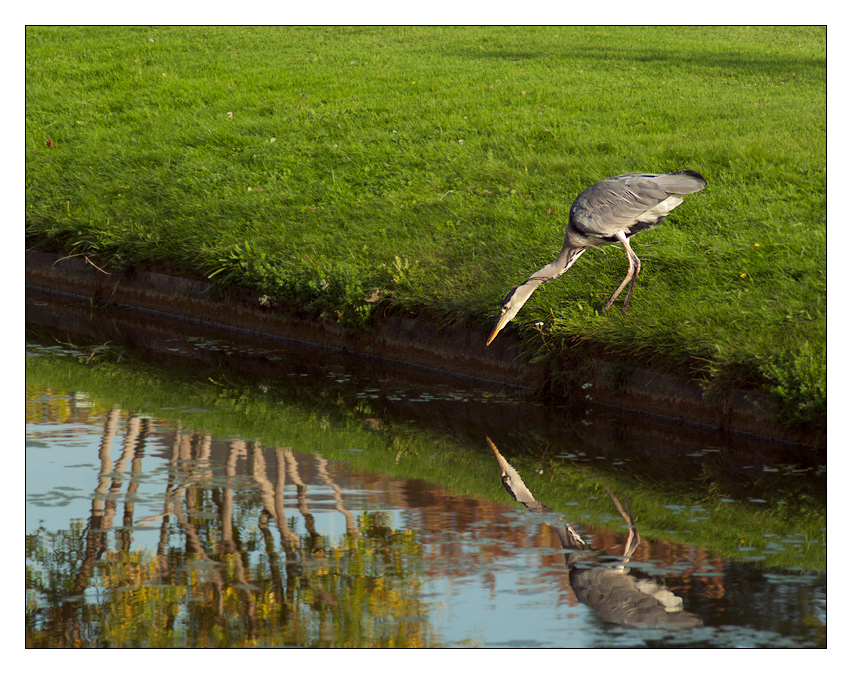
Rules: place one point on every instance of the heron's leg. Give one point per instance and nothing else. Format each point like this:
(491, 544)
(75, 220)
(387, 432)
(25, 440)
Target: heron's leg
(633, 538)
(637, 266)
(633, 266)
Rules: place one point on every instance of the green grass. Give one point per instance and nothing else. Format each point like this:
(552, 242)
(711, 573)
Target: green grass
(433, 168)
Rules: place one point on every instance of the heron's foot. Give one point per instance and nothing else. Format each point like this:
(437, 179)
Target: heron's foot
(610, 303)
(629, 291)
(627, 280)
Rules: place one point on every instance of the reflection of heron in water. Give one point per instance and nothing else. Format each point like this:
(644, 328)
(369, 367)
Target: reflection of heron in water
(613, 592)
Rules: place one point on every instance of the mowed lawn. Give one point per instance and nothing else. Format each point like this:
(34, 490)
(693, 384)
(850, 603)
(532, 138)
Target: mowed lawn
(350, 173)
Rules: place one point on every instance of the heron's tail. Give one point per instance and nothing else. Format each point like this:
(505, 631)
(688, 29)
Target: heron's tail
(682, 182)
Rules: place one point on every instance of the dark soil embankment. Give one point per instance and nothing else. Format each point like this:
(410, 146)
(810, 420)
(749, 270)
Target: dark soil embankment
(450, 349)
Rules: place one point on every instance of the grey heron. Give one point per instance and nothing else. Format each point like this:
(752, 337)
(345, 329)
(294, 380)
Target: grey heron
(615, 592)
(609, 211)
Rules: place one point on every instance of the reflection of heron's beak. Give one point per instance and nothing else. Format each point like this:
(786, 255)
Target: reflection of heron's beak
(513, 483)
(497, 455)
(504, 319)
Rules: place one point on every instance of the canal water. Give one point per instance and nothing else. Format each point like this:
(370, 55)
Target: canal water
(188, 486)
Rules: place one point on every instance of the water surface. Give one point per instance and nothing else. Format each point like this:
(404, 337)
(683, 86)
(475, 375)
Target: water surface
(191, 488)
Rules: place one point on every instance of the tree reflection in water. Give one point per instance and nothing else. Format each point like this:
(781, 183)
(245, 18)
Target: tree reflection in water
(213, 589)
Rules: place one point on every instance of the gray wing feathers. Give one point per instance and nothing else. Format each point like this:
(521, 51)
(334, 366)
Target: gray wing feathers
(623, 599)
(616, 203)
(681, 182)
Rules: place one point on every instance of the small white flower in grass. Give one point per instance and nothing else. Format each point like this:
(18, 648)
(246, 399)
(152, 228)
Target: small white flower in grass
(230, 114)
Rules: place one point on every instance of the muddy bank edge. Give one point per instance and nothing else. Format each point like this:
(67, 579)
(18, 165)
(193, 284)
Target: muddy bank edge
(451, 349)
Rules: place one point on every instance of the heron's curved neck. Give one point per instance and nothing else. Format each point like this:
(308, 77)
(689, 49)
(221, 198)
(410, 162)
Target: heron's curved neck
(567, 256)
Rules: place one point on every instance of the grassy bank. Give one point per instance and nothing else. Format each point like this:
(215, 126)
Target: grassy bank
(352, 172)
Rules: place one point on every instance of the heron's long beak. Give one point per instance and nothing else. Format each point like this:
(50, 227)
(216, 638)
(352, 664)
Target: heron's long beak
(505, 317)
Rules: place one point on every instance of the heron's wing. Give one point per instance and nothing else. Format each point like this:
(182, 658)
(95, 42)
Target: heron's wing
(614, 204)
(680, 182)
(624, 600)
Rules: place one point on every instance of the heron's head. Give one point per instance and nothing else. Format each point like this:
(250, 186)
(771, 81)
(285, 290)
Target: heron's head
(512, 304)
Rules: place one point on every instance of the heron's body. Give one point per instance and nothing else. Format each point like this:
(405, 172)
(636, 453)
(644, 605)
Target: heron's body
(609, 211)
(624, 599)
